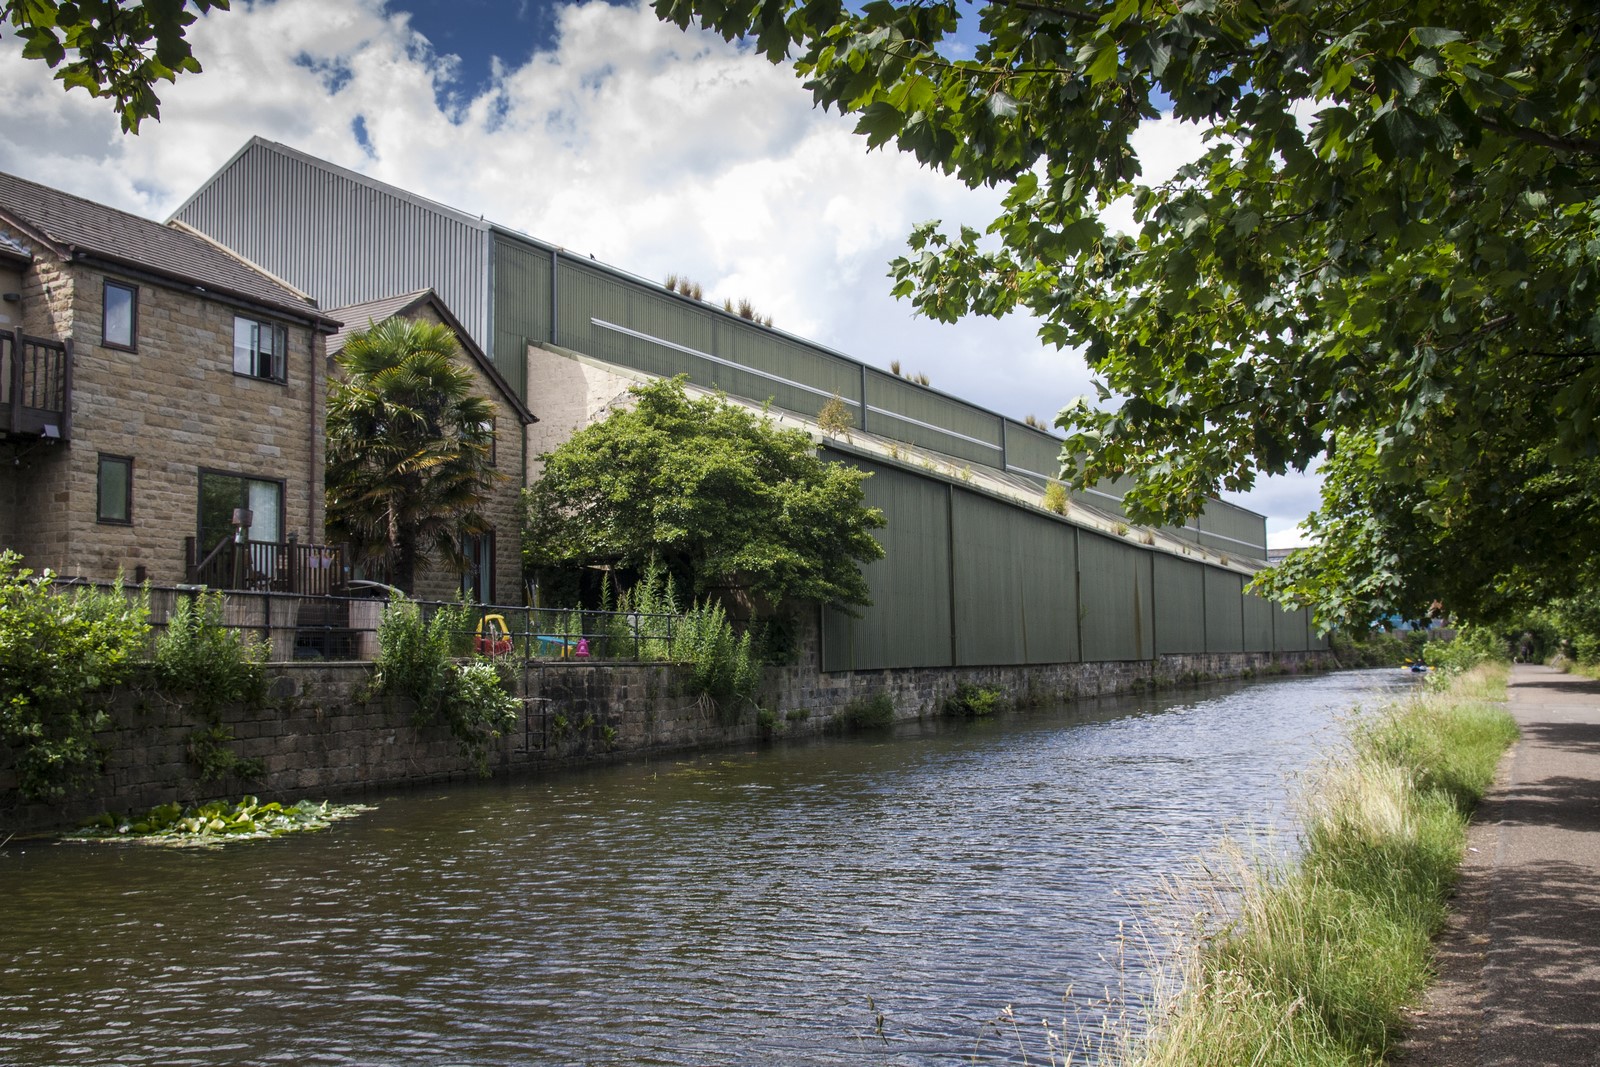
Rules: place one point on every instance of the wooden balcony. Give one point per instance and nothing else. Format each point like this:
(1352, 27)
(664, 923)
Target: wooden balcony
(35, 387)
(268, 566)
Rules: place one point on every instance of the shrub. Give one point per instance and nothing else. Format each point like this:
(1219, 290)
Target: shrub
(1471, 646)
(834, 418)
(723, 668)
(57, 653)
(1055, 498)
(975, 701)
(199, 657)
(867, 713)
(414, 662)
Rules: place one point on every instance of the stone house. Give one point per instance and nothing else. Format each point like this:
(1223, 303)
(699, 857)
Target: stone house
(161, 402)
(494, 572)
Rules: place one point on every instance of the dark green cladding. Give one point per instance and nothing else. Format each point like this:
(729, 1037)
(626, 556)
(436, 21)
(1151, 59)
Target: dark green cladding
(1180, 593)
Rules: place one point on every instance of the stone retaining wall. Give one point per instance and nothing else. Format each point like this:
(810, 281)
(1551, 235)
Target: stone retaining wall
(321, 734)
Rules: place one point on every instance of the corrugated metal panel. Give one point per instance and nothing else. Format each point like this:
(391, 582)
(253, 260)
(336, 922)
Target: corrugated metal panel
(1114, 605)
(1230, 529)
(1258, 613)
(658, 332)
(908, 624)
(1290, 630)
(1180, 605)
(1030, 451)
(521, 304)
(903, 411)
(343, 239)
(1015, 585)
(1224, 611)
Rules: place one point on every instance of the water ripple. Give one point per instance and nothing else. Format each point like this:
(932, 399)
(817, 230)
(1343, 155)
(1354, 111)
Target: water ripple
(877, 901)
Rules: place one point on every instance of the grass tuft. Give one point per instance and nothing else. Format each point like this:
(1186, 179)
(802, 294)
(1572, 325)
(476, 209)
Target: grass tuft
(1311, 962)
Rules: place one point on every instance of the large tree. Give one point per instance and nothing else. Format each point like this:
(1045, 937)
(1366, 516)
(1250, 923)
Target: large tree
(711, 489)
(409, 463)
(1390, 244)
(117, 49)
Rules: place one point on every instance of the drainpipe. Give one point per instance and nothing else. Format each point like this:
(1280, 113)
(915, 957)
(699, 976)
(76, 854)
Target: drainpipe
(316, 431)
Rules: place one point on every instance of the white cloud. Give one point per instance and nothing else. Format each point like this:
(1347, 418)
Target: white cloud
(655, 150)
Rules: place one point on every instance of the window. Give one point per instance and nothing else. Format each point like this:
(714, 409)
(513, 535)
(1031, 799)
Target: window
(260, 349)
(477, 581)
(119, 323)
(114, 492)
(223, 494)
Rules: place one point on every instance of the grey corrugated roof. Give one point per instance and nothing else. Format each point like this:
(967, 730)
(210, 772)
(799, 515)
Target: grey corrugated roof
(357, 317)
(78, 226)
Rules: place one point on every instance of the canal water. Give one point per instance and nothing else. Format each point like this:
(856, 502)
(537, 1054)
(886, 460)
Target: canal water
(873, 900)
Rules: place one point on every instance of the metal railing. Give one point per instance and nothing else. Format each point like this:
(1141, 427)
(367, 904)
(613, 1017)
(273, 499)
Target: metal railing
(345, 628)
(267, 566)
(35, 386)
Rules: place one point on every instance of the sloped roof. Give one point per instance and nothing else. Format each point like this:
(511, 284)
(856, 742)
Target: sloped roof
(74, 227)
(13, 249)
(357, 317)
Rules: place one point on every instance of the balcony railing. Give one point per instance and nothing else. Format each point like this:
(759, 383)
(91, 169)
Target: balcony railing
(268, 566)
(35, 387)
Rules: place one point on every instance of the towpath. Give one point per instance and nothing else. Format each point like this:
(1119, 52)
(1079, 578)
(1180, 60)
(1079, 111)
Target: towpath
(1519, 964)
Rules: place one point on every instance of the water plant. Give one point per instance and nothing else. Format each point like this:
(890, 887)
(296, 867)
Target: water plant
(216, 823)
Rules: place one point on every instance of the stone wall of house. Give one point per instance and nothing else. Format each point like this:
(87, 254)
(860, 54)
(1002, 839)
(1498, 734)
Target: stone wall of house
(176, 407)
(322, 733)
(504, 509)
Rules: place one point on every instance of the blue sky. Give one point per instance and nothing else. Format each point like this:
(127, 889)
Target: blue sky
(596, 127)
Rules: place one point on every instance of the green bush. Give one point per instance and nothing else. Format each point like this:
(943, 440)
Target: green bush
(1471, 646)
(975, 701)
(722, 667)
(199, 657)
(414, 662)
(58, 653)
(866, 713)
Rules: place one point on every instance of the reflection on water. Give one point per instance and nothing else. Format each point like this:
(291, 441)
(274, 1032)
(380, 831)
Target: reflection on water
(763, 906)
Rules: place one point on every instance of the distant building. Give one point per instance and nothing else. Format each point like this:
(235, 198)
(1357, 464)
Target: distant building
(976, 572)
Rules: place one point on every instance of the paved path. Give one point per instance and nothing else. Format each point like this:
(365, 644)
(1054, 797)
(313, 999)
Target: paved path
(1520, 963)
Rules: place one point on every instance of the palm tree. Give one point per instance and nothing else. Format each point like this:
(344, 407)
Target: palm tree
(408, 463)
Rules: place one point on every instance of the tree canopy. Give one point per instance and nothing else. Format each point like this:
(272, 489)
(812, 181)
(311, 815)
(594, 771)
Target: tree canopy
(1389, 247)
(713, 491)
(118, 49)
(409, 464)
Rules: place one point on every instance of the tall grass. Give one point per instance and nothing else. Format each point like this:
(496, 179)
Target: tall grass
(1311, 961)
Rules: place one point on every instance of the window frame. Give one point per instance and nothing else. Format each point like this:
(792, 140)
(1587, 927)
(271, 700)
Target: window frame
(244, 480)
(103, 458)
(132, 344)
(486, 544)
(280, 333)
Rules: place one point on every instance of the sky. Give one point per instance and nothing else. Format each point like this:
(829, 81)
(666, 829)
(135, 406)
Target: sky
(596, 127)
